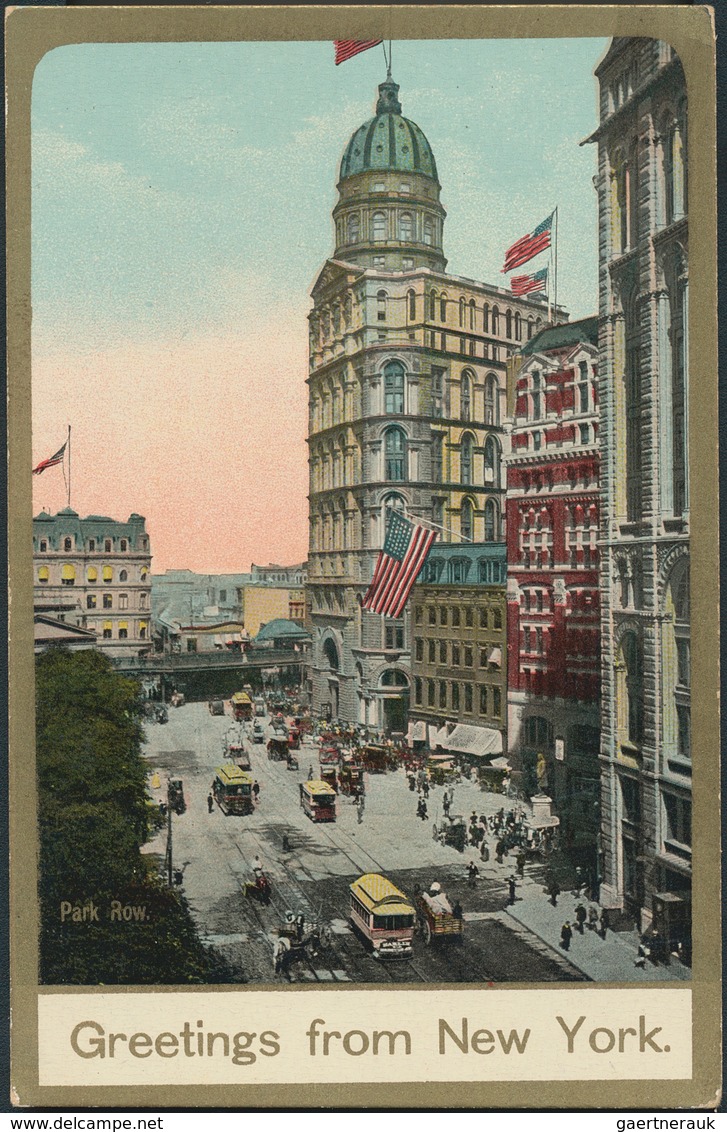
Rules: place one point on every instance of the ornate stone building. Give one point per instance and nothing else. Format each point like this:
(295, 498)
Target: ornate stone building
(102, 568)
(553, 608)
(646, 761)
(406, 403)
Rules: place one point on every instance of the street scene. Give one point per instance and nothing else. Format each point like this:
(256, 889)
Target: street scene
(309, 867)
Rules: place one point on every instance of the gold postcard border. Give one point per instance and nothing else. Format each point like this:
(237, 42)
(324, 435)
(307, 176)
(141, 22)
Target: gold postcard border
(30, 34)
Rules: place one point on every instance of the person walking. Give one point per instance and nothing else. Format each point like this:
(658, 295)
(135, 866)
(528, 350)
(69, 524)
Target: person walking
(592, 917)
(310, 772)
(566, 935)
(580, 917)
(472, 874)
(256, 791)
(425, 787)
(210, 803)
(484, 851)
(445, 804)
(511, 885)
(499, 850)
(520, 861)
(360, 808)
(422, 809)
(604, 923)
(553, 891)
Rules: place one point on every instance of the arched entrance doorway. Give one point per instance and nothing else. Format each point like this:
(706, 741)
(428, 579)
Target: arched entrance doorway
(395, 699)
(330, 652)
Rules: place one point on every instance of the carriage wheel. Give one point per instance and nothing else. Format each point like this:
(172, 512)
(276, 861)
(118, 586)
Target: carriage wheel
(427, 934)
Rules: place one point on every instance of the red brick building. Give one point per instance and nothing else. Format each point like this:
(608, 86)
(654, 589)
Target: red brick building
(553, 609)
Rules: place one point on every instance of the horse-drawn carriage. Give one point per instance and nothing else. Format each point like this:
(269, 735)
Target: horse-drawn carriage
(437, 917)
(278, 749)
(451, 830)
(375, 758)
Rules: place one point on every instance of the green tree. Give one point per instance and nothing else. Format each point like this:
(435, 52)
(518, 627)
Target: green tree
(94, 816)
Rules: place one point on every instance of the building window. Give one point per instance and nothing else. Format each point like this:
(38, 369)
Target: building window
(107, 574)
(394, 387)
(443, 309)
(467, 520)
(443, 653)
(455, 617)
(68, 575)
(492, 463)
(123, 546)
(379, 226)
(108, 601)
(90, 601)
(465, 459)
(381, 306)
(537, 440)
(68, 544)
(353, 227)
(395, 451)
(518, 327)
(437, 391)
(107, 631)
(508, 324)
(123, 631)
(492, 521)
(455, 697)
(411, 305)
(432, 614)
(442, 693)
(443, 615)
(191, 644)
(496, 701)
(407, 264)
(468, 658)
(677, 822)
(483, 699)
(458, 570)
(468, 697)
(394, 633)
(428, 231)
(43, 574)
(417, 690)
(536, 396)
(432, 304)
(419, 649)
(585, 431)
(123, 601)
(495, 320)
(491, 400)
(379, 262)
(405, 228)
(432, 652)
(107, 546)
(430, 693)
(455, 655)
(461, 311)
(123, 575)
(91, 545)
(466, 396)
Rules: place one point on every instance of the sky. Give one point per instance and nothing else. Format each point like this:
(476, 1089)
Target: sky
(181, 211)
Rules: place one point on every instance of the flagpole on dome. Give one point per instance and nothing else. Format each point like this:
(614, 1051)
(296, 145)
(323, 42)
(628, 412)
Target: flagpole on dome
(69, 465)
(555, 268)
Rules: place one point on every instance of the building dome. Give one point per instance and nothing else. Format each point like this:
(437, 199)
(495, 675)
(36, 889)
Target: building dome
(388, 142)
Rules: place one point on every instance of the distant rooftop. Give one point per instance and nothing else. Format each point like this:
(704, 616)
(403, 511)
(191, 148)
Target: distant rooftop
(563, 335)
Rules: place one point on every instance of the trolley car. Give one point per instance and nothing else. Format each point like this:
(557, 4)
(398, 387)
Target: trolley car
(232, 789)
(383, 916)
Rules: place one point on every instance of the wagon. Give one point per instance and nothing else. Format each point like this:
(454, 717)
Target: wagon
(438, 918)
(451, 831)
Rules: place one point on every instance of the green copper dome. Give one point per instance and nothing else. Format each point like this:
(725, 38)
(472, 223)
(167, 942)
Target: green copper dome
(388, 142)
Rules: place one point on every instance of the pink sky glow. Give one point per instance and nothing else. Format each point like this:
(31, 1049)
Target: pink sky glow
(204, 437)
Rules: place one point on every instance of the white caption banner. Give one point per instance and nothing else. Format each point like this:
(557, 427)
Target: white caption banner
(259, 1037)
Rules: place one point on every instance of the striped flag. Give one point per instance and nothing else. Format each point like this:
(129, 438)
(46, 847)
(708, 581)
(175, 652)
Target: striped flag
(406, 547)
(347, 48)
(56, 458)
(529, 246)
(526, 284)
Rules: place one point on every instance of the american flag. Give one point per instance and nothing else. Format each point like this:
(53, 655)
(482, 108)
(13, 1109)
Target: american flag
(406, 547)
(525, 284)
(56, 458)
(529, 246)
(347, 48)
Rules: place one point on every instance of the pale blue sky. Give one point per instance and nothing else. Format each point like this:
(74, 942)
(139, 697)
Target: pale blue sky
(185, 187)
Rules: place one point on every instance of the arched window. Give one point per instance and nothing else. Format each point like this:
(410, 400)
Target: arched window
(68, 574)
(428, 231)
(107, 574)
(508, 323)
(395, 454)
(411, 305)
(492, 415)
(472, 314)
(492, 463)
(92, 574)
(378, 223)
(393, 387)
(68, 544)
(518, 327)
(465, 396)
(530, 328)
(466, 521)
(495, 320)
(461, 311)
(381, 297)
(107, 546)
(354, 227)
(405, 228)
(432, 304)
(443, 308)
(347, 310)
(43, 573)
(492, 521)
(465, 458)
(486, 318)
(330, 652)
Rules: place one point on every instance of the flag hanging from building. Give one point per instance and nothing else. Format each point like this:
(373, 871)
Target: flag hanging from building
(526, 284)
(347, 48)
(529, 246)
(56, 458)
(406, 547)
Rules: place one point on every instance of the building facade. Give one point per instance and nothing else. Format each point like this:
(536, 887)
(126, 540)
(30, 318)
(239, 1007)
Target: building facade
(103, 567)
(646, 762)
(459, 642)
(553, 607)
(406, 406)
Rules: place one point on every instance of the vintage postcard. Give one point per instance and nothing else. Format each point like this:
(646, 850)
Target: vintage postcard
(364, 719)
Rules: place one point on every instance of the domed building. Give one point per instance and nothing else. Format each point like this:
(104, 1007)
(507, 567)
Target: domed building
(406, 409)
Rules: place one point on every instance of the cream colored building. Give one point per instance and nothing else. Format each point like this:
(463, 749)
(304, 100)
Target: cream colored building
(260, 604)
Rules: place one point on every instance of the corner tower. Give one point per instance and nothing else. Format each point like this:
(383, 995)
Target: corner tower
(388, 215)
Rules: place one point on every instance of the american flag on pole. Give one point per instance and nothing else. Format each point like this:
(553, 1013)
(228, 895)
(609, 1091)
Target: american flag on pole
(406, 547)
(56, 458)
(526, 284)
(529, 246)
(347, 48)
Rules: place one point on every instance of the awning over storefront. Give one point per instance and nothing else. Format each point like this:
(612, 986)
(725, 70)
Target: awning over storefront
(478, 741)
(437, 736)
(495, 657)
(417, 732)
